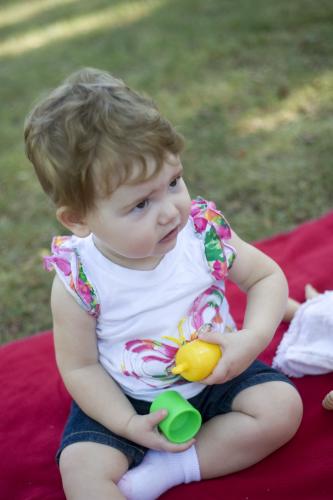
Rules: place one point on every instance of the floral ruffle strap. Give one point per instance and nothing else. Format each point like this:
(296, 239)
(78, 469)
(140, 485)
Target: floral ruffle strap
(65, 260)
(210, 224)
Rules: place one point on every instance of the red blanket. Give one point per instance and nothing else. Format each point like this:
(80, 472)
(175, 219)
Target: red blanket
(34, 403)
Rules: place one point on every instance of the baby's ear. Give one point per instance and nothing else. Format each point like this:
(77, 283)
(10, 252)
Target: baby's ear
(73, 221)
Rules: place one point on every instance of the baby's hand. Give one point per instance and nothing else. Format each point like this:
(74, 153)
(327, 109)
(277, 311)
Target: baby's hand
(239, 350)
(142, 429)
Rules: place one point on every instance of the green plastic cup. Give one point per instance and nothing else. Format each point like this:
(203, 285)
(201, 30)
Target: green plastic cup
(182, 422)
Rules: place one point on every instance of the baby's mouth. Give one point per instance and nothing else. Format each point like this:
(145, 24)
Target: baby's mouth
(171, 235)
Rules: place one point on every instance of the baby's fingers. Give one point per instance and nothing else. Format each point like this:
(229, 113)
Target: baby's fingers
(154, 418)
(162, 443)
(211, 337)
(218, 376)
(166, 445)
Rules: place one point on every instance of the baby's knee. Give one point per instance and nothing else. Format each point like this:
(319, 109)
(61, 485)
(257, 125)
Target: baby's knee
(71, 462)
(71, 470)
(74, 469)
(285, 416)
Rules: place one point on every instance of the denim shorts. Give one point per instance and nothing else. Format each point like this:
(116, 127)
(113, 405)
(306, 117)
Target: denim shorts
(211, 401)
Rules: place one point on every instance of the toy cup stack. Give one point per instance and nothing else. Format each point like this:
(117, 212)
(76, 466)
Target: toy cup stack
(183, 420)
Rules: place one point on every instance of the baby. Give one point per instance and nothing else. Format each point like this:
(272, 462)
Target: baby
(145, 268)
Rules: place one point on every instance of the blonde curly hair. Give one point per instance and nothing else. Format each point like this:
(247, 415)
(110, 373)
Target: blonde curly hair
(85, 136)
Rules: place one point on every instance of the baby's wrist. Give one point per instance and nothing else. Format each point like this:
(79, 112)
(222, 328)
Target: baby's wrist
(129, 431)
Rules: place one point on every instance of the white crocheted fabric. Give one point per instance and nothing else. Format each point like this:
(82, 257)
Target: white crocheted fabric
(307, 346)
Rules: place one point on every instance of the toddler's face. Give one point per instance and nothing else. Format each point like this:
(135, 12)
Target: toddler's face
(139, 223)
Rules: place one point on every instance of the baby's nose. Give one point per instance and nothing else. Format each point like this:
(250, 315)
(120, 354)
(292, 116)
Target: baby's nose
(168, 213)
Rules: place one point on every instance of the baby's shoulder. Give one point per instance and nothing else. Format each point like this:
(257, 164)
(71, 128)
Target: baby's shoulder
(210, 225)
(206, 216)
(66, 260)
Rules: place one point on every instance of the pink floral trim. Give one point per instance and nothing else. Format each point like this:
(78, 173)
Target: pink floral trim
(66, 261)
(210, 224)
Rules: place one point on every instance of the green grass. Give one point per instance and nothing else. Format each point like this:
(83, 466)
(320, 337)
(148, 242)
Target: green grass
(249, 83)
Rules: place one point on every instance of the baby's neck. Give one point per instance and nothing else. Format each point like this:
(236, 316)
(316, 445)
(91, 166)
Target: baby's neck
(145, 264)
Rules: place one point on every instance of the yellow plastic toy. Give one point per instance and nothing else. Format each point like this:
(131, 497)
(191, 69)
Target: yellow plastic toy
(196, 360)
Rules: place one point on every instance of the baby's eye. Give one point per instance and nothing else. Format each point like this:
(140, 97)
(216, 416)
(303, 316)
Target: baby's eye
(142, 205)
(174, 182)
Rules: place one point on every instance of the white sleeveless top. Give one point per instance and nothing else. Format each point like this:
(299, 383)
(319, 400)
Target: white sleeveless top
(143, 316)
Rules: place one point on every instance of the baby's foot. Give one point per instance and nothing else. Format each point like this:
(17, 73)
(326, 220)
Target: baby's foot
(310, 292)
(328, 401)
(158, 472)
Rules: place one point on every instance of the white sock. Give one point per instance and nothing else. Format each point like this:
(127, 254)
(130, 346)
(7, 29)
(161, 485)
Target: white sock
(158, 472)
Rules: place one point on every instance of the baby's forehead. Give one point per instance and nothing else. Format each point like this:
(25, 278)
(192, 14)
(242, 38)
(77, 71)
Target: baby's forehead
(146, 183)
(142, 172)
(137, 176)
(152, 171)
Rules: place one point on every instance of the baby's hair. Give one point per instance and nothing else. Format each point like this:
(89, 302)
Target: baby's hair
(85, 136)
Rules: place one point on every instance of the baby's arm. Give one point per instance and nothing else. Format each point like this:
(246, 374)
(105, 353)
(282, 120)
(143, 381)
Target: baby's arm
(267, 293)
(97, 394)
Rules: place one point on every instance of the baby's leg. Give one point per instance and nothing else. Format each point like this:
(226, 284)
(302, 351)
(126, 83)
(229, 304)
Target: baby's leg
(92, 470)
(263, 418)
